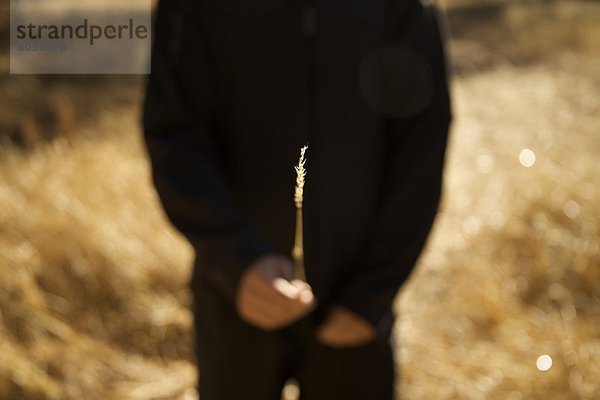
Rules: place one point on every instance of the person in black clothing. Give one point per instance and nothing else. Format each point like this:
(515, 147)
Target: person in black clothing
(237, 88)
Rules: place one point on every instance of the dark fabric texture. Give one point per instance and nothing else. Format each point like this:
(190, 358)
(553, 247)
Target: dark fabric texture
(238, 86)
(239, 361)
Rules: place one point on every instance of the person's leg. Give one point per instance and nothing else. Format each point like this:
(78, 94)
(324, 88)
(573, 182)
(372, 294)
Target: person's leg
(235, 360)
(361, 373)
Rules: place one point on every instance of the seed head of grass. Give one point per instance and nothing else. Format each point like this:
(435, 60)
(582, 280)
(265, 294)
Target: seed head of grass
(300, 178)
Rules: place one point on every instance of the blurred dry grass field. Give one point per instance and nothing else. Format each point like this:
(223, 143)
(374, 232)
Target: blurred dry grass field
(93, 298)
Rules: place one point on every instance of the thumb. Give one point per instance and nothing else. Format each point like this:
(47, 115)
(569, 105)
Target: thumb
(305, 291)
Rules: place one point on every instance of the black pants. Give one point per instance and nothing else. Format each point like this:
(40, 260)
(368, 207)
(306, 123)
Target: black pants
(238, 361)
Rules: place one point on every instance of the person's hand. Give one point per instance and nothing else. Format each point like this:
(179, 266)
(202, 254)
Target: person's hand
(269, 298)
(344, 328)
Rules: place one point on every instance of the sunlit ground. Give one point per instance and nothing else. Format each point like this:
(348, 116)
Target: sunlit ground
(505, 303)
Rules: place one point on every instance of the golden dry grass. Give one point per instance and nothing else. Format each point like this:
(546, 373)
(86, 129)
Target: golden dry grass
(93, 296)
(513, 269)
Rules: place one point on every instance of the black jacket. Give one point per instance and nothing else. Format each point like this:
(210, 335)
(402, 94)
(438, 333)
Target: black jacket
(238, 86)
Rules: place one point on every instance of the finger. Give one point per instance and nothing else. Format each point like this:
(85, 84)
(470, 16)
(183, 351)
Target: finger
(286, 288)
(279, 274)
(294, 309)
(305, 291)
(300, 299)
(300, 284)
(283, 295)
(278, 292)
(282, 306)
(296, 297)
(274, 288)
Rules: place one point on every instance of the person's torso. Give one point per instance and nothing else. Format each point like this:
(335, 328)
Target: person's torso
(287, 73)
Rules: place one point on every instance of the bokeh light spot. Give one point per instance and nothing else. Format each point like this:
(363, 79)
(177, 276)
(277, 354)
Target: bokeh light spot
(527, 158)
(544, 362)
(572, 209)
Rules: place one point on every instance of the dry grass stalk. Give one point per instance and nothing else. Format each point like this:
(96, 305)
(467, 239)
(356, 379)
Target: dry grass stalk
(298, 250)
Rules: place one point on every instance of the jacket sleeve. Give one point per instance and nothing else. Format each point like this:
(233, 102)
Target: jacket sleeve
(408, 203)
(181, 144)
